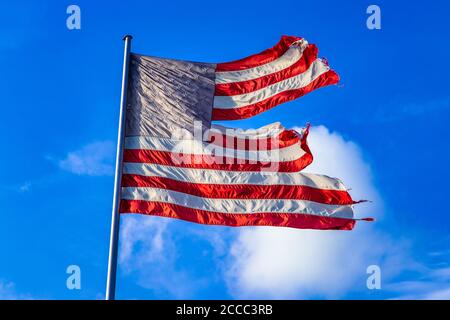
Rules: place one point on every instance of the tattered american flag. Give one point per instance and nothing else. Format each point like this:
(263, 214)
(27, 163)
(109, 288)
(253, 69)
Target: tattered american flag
(177, 164)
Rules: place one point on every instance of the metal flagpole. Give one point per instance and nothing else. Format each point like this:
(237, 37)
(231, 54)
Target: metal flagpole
(115, 219)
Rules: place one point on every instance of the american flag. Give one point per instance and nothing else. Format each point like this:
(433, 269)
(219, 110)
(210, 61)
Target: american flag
(178, 164)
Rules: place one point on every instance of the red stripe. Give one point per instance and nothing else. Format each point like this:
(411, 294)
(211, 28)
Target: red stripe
(241, 191)
(184, 160)
(300, 221)
(284, 139)
(261, 58)
(328, 78)
(229, 89)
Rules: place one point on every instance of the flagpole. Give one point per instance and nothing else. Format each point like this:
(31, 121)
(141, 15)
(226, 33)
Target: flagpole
(115, 219)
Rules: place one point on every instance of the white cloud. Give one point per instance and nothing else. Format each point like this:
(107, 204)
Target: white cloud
(265, 262)
(290, 263)
(8, 292)
(426, 289)
(398, 109)
(141, 230)
(337, 157)
(94, 159)
(25, 187)
(443, 294)
(427, 284)
(149, 252)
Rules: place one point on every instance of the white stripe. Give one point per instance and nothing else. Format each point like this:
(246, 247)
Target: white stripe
(195, 147)
(237, 205)
(268, 131)
(290, 57)
(233, 177)
(317, 68)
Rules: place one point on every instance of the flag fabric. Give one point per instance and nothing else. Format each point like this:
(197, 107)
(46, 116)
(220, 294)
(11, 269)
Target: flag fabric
(242, 186)
(289, 70)
(168, 96)
(178, 164)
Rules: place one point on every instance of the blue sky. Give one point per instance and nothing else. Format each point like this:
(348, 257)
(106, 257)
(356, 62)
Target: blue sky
(60, 94)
